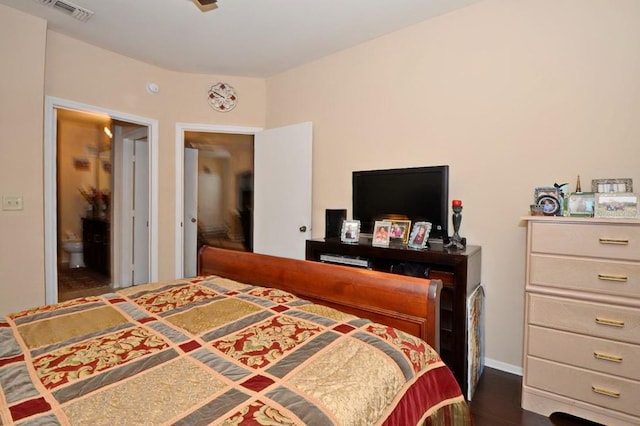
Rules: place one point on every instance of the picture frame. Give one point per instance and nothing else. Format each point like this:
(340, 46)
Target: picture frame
(81, 163)
(381, 233)
(612, 185)
(550, 199)
(581, 204)
(400, 230)
(616, 205)
(419, 235)
(350, 231)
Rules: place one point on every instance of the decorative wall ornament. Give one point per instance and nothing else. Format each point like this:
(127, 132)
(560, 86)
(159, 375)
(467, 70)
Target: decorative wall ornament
(222, 97)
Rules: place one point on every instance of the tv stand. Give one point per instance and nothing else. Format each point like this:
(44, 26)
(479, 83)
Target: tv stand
(459, 271)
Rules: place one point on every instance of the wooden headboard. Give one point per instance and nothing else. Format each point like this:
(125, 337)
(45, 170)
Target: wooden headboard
(406, 303)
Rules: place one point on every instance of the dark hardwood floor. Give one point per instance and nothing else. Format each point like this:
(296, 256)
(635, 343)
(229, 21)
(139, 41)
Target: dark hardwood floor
(496, 402)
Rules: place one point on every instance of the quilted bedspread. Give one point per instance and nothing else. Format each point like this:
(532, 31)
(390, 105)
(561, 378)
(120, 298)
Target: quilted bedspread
(213, 351)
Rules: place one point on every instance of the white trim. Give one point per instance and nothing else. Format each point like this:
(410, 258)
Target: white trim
(50, 204)
(503, 366)
(50, 227)
(181, 128)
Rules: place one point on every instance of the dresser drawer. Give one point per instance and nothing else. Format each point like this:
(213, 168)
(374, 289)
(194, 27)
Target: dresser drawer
(612, 241)
(595, 388)
(592, 353)
(594, 319)
(600, 276)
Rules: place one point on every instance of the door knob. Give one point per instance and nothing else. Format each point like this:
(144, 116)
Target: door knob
(303, 228)
(193, 220)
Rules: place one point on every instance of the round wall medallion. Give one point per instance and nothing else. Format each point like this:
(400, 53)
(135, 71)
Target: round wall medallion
(222, 97)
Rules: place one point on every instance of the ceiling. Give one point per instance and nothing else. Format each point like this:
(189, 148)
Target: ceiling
(252, 38)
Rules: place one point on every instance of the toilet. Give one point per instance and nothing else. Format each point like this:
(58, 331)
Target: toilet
(74, 248)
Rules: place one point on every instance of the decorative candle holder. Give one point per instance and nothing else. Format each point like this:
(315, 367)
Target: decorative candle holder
(456, 241)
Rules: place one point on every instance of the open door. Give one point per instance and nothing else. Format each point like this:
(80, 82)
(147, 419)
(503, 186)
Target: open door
(130, 234)
(141, 213)
(282, 190)
(190, 212)
(281, 206)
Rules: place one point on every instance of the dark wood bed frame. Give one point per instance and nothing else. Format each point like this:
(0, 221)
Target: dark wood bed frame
(406, 303)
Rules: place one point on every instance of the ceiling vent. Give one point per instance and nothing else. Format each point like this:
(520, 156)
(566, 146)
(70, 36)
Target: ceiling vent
(69, 8)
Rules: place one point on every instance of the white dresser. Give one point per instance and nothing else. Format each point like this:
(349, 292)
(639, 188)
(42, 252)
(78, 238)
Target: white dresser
(582, 318)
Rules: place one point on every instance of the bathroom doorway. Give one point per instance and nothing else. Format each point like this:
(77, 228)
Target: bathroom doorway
(86, 178)
(84, 165)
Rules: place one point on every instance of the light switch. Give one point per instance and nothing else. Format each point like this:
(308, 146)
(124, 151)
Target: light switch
(11, 202)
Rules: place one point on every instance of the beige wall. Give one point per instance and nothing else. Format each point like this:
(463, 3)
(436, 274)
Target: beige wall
(512, 95)
(22, 48)
(82, 73)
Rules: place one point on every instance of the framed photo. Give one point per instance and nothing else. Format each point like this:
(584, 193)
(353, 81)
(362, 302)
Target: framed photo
(400, 231)
(612, 185)
(350, 232)
(81, 163)
(616, 204)
(381, 233)
(420, 235)
(548, 197)
(581, 204)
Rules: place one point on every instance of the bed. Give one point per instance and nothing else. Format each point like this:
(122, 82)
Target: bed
(253, 340)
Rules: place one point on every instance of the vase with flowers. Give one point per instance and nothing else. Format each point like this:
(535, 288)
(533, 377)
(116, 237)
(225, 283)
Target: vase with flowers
(98, 201)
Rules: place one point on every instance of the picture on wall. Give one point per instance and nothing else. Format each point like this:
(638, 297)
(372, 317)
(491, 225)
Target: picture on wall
(81, 164)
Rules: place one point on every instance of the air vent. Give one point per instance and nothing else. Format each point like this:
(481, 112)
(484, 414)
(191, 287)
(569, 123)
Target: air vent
(69, 8)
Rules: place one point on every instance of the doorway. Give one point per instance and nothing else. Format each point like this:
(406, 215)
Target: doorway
(84, 147)
(281, 205)
(105, 160)
(218, 193)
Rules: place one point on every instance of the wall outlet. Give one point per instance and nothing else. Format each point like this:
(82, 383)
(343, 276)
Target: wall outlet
(11, 202)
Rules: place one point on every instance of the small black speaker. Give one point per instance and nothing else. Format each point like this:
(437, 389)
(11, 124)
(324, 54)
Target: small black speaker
(333, 222)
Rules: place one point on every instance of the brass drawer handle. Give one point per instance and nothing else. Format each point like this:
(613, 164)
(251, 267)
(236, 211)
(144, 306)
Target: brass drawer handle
(607, 392)
(613, 241)
(607, 357)
(612, 323)
(608, 277)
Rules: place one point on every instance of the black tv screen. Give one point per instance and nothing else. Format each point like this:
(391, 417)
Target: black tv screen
(420, 193)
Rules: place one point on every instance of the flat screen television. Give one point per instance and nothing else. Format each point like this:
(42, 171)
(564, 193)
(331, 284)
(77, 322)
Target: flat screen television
(420, 193)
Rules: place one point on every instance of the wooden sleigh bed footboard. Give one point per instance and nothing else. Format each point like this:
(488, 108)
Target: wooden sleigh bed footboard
(406, 303)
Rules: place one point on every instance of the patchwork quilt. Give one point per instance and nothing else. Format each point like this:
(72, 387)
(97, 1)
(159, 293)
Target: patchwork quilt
(213, 351)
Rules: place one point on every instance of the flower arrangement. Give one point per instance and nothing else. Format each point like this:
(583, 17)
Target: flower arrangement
(98, 200)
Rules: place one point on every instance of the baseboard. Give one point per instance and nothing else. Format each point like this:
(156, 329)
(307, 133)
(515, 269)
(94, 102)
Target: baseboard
(503, 366)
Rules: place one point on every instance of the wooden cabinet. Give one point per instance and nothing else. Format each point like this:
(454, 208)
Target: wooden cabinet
(459, 272)
(96, 243)
(582, 345)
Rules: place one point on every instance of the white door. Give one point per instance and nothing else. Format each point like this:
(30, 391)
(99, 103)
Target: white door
(282, 190)
(131, 227)
(122, 228)
(141, 213)
(190, 212)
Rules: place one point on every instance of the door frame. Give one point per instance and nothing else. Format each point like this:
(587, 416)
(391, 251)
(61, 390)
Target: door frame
(50, 186)
(181, 128)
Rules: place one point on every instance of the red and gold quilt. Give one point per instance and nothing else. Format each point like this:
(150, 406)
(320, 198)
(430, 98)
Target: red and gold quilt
(213, 351)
